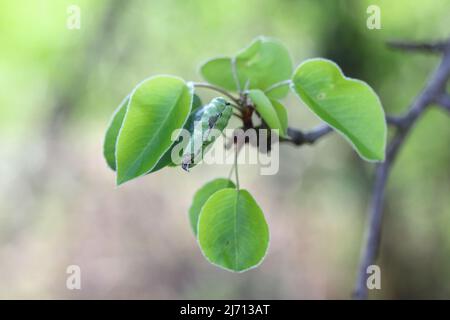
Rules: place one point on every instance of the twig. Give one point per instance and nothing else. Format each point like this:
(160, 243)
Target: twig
(299, 138)
(220, 90)
(237, 107)
(237, 115)
(434, 89)
(236, 170)
(375, 217)
(396, 121)
(437, 47)
(444, 101)
(278, 85)
(235, 76)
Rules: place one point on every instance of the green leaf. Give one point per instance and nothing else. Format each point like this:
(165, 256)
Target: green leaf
(202, 195)
(219, 71)
(348, 105)
(109, 147)
(282, 115)
(266, 110)
(157, 107)
(109, 144)
(166, 159)
(232, 231)
(263, 63)
(196, 103)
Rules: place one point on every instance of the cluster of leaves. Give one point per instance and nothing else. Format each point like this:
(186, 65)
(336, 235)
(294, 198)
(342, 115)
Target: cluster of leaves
(228, 223)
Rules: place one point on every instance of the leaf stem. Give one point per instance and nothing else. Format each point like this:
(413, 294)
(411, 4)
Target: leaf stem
(278, 85)
(236, 152)
(212, 87)
(235, 76)
(231, 170)
(237, 115)
(237, 107)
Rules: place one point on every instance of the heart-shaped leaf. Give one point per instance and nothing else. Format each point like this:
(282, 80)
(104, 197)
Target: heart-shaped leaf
(263, 63)
(232, 231)
(350, 106)
(109, 144)
(267, 111)
(202, 195)
(157, 107)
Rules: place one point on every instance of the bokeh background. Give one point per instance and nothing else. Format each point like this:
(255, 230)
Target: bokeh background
(58, 201)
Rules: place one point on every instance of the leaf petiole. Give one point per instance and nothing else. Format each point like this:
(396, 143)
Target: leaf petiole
(220, 90)
(278, 85)
(236, 153)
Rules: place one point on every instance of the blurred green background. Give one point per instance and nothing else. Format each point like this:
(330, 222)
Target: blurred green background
(58, 201)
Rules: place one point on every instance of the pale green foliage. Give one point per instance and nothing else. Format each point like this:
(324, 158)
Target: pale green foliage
(109, 146)
(157, 107)
(263, 63)
(232, 230)
(202, 195)
(219, 71)
(267, 111)
(282, 115)
(350, 106)
(230, 226)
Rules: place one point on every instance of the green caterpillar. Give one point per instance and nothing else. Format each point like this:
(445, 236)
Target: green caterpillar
(213, 116)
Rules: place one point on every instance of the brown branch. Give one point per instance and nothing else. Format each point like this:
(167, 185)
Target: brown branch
(299, 138)
(433, 91)
(436, 47)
